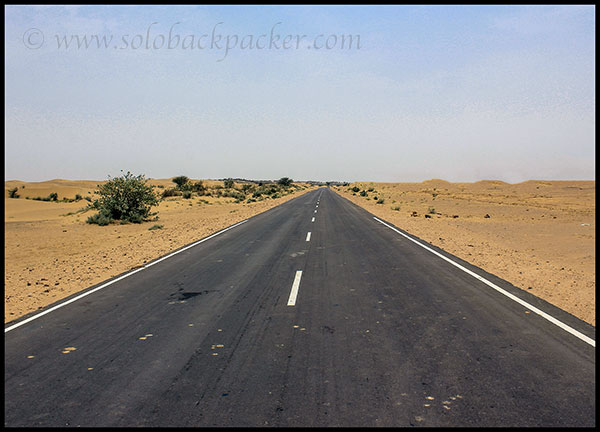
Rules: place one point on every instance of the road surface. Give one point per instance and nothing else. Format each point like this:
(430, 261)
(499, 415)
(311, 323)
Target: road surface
(310, 314)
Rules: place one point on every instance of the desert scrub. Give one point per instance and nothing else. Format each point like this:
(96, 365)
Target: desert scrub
(181, 182)
(285, 181)
(234, 194)
(126, 199)
(187, 195)
(12, 193)
(155, 227)
(396, 208)
(52, 197)
(380, 201)
(170, 192)
(247, 187)
(101, 219)
(199, 187)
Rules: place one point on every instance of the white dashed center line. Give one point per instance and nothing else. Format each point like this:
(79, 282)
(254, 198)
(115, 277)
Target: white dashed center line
(308, 236)
(295, 286)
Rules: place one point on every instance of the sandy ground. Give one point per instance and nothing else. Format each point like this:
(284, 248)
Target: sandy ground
(539, 236)
(50, 254)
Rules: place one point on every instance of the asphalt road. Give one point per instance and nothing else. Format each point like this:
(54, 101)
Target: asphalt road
(382, 333)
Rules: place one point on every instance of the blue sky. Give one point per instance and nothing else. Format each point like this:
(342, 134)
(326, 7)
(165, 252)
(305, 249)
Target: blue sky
(460, 93)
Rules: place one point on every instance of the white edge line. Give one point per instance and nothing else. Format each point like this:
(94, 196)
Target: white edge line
(295, 286)
(25, 321)
(543, 314)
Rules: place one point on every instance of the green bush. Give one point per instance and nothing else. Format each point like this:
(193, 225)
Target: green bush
(198, 187)
(355, 189)
(78, 197)
(187, 194)
(285, 181)
(52, 197)
(380, 201)
(126, 198)
(363, 193)
(155, 227)
(101, 219)
(12, 193)
(228, 183)
(181, 182)
(234, 194)
(170, 192)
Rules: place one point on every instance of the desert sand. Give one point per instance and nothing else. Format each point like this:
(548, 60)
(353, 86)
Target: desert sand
(537, 235)
(51, 252)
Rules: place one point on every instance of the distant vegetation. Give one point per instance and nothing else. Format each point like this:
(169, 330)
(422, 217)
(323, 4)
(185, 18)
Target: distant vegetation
(52, 197)
(240, 190)
(128, 199)
(285, 181)
(181, 181)
(12, 193)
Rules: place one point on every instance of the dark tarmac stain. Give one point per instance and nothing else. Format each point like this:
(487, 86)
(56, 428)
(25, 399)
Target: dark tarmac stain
(185, 295)
(327, 329)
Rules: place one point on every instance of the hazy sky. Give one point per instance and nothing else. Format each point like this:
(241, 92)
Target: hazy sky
(458, 93)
